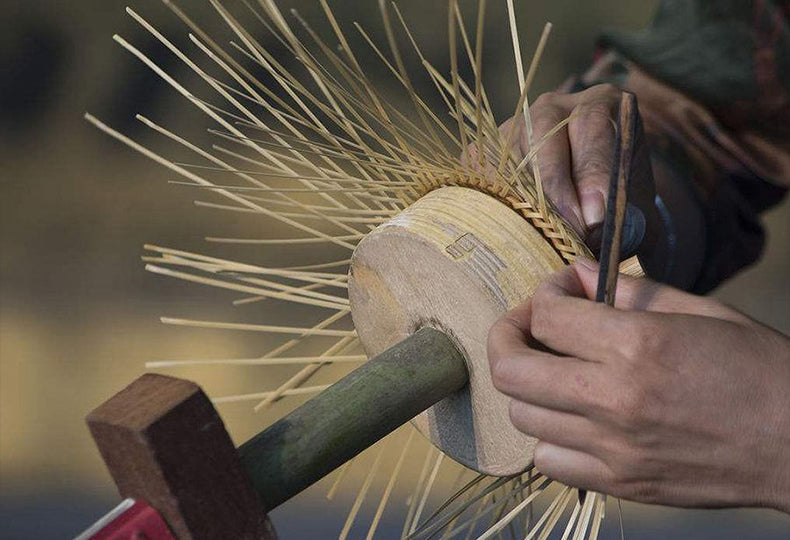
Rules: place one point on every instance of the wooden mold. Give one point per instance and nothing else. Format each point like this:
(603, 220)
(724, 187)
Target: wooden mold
(455, 260)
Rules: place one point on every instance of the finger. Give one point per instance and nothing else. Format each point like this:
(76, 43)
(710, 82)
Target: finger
(512, 131)
(572, 467)
(565, 320)
(591, 133)
(556, 427)
(554, 157)
(632, 293)
(470, 158)
(509, 335)
(568, 282)
(539, 378)
(519, 317)
(641, 294)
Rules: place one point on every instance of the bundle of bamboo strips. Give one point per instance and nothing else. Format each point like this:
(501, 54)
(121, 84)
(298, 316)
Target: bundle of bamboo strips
(323, 150)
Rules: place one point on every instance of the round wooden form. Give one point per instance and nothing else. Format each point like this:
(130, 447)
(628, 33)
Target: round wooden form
(455, 260)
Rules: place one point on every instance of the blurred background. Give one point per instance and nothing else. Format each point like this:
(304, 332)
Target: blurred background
(78, 314)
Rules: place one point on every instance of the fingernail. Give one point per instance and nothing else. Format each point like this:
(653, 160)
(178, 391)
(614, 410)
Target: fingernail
(592, 208)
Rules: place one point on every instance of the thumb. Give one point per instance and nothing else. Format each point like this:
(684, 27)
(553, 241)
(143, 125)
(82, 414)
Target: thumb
(642, 294)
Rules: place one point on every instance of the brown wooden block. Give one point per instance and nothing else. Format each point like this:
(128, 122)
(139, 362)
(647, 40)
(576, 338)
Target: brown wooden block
(164, 442)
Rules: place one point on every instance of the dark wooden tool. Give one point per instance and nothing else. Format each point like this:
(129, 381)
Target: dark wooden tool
(626, 146)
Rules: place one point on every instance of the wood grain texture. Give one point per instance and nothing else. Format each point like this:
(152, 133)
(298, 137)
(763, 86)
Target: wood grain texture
(164, 442)
(455, 260)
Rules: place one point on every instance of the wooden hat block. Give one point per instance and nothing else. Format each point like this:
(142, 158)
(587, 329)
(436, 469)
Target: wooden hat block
(455, 260)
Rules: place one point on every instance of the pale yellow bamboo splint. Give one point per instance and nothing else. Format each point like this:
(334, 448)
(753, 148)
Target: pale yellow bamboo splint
(421, 234)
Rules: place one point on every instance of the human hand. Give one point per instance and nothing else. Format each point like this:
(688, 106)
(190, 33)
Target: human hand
(576, 163)
(666, 398)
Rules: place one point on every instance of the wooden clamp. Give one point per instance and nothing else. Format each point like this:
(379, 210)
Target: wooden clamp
(164, 442)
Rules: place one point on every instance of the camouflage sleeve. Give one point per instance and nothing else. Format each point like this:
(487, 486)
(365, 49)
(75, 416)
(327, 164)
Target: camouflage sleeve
(713, 81)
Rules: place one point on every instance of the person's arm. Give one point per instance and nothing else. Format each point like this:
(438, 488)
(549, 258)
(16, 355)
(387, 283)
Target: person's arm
(713, 78)
(713, 82)
(713, 179)
(666, 398)
(575, 167)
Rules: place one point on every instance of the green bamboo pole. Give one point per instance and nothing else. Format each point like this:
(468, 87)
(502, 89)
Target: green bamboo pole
(352, 414)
